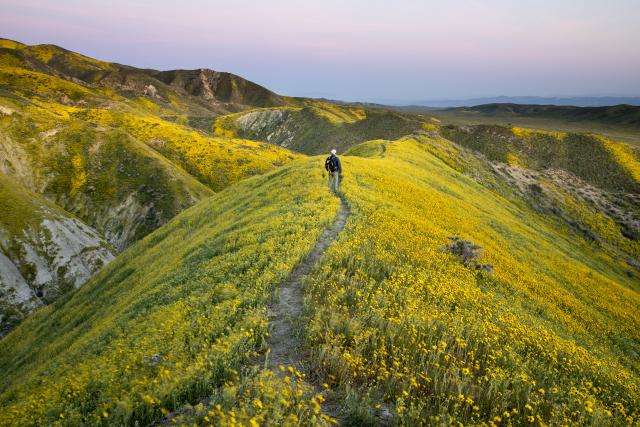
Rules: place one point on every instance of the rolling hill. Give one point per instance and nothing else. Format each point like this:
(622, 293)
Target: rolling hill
(316, 126)
(112, 181)
(538, 324)
(187, 92)
(620, 122)
(115, 147)
(467, 273)
(573, 101)
(595, 159)
(621, 115)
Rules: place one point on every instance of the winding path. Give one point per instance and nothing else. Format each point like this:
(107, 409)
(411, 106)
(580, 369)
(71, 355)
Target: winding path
(283, 342)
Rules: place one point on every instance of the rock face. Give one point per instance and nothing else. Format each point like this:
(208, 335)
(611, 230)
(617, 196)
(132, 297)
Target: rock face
(273, 125)
(44, 252)
(220, 88)
(117, 185)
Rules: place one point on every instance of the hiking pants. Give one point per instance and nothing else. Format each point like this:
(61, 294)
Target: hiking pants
(334, 181)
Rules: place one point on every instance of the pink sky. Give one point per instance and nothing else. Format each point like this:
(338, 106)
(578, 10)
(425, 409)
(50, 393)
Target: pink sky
(359, 50)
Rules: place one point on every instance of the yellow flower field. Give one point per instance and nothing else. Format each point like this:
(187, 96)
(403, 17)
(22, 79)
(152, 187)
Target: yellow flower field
(550, 337)
(178, 315)
(394, 324)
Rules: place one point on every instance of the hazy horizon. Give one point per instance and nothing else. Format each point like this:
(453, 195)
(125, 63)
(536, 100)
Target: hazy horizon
(360, 50)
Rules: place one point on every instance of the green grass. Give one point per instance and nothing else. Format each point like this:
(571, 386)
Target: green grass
(391, 317)
(621, 132)
(20, 208)
(395, 320)
(193, 292)
(590, 157)
(317, 127)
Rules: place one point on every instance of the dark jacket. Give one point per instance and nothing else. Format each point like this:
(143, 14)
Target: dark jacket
(337, 160)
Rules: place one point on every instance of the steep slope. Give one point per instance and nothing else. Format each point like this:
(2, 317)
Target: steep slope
(316, 127)
(179, 313)
(221, 89)
(113, 182)
(216, 162)
(592, 183)
(44, 252)
(402, 323)
(116, 146)
(538, 325)
(595, 159)
(196, 93)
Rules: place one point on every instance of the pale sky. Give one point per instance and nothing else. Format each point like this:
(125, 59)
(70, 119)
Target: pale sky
(358, 50)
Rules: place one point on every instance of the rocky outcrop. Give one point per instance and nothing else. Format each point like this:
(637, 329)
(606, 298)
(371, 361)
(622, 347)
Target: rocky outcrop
(44, 252)
(275, 126)
(117, 185)
(220, 88)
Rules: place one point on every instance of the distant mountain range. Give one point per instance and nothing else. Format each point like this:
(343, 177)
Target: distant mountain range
(578, 101)
(627, 115)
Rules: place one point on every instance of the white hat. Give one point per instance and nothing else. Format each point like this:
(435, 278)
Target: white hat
(333, 151)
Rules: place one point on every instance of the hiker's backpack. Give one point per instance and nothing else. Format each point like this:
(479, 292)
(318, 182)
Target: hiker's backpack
(332, 164)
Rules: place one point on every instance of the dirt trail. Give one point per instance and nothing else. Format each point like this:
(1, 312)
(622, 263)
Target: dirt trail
(283, 342)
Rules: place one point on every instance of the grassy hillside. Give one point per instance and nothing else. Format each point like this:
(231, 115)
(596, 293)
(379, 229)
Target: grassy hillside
(196, 93)
(316, 127)
(595, 159)
(395, 319)
(619, 115)
(113, 182)
(402, 322)
(620, 122)
(114, 145)
(44, 252)
(216, 162)
(590, 182)
(179, 313)
(119, 148)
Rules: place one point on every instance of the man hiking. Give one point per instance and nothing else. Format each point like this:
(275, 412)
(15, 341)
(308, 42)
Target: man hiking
(333, 166)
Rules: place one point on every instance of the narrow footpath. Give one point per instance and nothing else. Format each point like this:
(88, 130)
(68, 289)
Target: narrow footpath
(283, 342)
